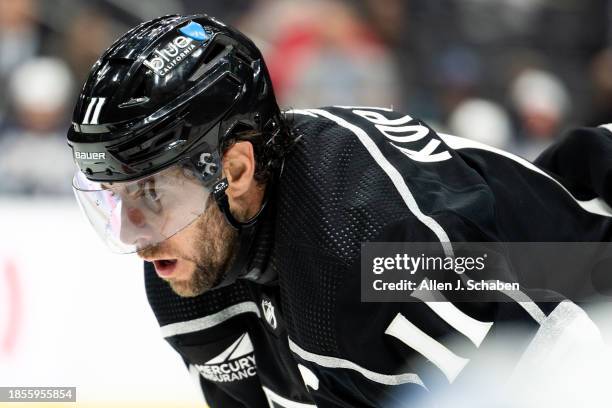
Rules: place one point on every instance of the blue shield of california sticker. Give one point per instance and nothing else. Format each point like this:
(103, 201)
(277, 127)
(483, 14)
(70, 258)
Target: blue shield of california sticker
(195, 31)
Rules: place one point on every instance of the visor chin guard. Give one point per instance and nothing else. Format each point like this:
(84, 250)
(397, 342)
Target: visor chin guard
(248, 231)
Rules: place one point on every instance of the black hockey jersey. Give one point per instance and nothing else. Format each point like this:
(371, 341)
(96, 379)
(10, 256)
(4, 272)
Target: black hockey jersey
(358, 175)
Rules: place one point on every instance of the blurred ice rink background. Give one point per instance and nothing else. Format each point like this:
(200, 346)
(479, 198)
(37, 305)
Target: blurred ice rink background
(72, 314)
(511, 73)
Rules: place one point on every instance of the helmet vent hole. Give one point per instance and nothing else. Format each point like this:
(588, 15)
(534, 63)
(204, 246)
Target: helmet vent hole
(141, 90)
(213, 52)
(243, 58)
(166, 140)
(138, 96)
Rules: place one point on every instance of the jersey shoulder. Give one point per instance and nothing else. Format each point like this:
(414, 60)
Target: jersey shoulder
(358, 171)
(335, 194)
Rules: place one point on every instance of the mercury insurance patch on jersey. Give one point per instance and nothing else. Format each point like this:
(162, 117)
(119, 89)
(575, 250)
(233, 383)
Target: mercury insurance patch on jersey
(235, 363)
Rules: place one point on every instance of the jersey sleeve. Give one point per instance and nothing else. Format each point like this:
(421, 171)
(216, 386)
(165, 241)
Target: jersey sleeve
(399, 353)
(213, 395)
(582, 161)
(406, 183)
(243, 394)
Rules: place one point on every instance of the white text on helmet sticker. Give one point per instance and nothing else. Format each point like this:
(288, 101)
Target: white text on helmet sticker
(169, 56)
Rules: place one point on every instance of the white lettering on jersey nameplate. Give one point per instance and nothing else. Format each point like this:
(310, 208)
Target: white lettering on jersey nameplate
(399, 132)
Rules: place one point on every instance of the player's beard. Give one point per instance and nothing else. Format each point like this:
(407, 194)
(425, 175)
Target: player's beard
(215, 244)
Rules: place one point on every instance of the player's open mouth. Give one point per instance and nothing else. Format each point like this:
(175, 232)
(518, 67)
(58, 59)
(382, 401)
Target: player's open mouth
(165, 267)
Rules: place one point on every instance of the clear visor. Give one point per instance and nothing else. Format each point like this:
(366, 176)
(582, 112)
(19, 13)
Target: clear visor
(131, 216)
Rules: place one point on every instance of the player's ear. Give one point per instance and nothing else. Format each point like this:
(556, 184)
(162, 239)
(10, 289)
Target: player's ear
(239, 169)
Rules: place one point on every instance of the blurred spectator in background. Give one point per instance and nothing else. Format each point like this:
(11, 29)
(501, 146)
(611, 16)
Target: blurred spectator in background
(81, 51)
(19, 39)
(34, 158)
(458, 73)
(450, 63)
(601, 76)
(315, 60)
(483, 121)
(388, 18)
(486, 21)
(541, 103)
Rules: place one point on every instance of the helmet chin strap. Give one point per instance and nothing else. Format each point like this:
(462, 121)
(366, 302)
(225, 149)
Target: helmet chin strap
(246, 229)
(223, 203)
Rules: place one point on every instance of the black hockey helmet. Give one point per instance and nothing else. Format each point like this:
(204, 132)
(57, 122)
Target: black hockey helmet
(166, 95)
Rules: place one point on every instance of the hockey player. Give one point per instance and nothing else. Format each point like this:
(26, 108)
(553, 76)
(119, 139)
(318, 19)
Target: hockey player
(250, 220)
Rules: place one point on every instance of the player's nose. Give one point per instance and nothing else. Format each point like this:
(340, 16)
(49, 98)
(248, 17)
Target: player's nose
(134, 227)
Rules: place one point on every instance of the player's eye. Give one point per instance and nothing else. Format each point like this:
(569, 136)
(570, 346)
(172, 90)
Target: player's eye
(133, 189)
(151, 196)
